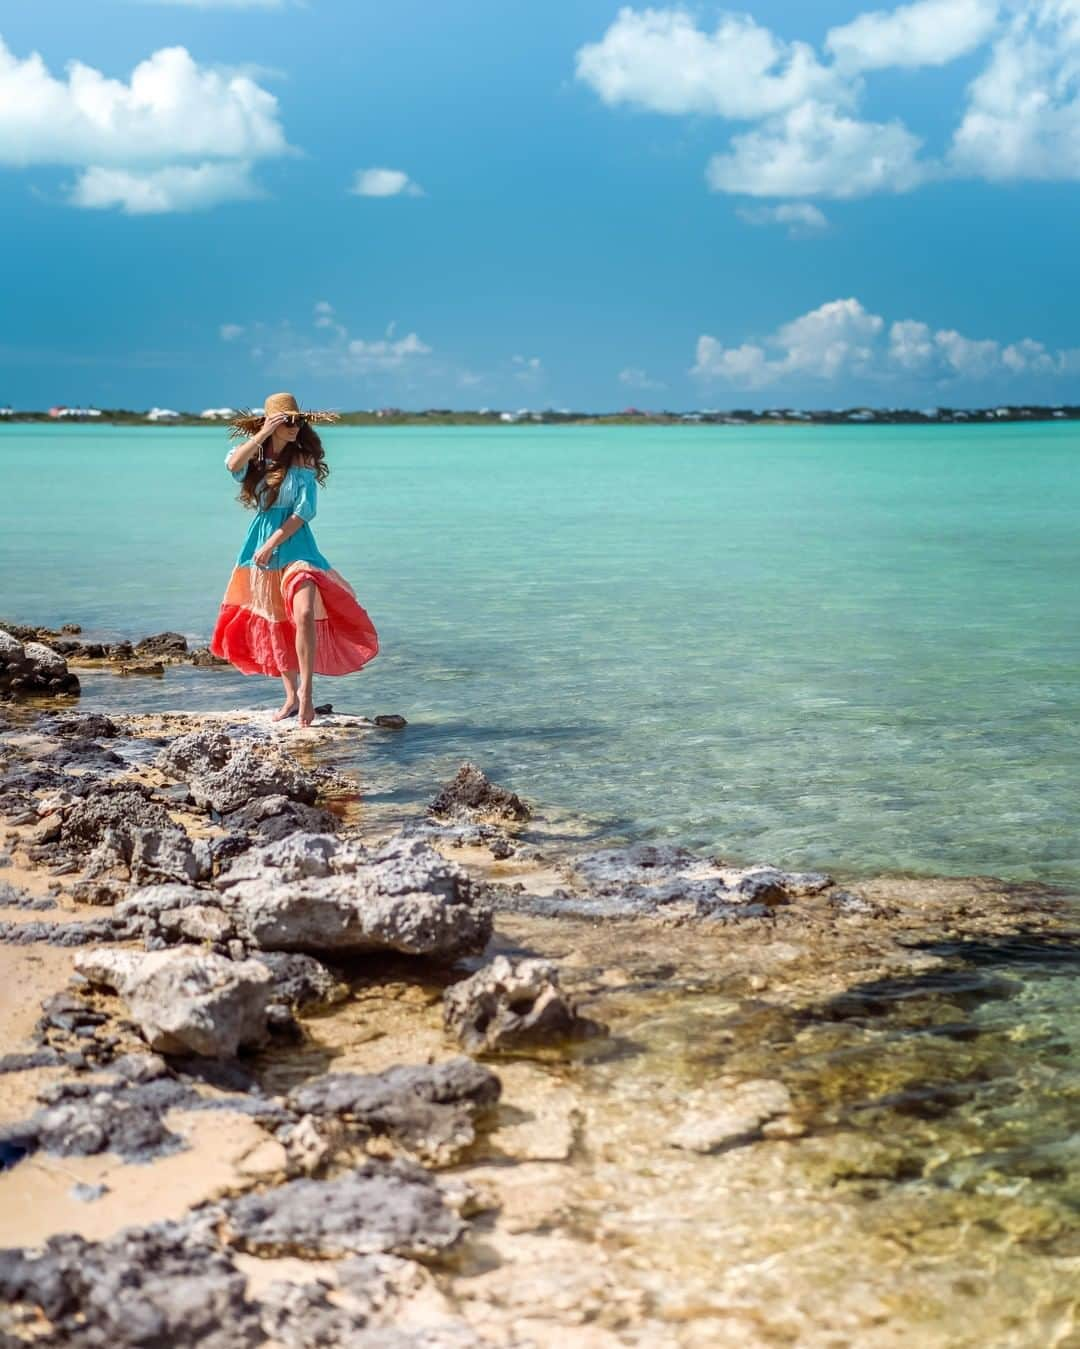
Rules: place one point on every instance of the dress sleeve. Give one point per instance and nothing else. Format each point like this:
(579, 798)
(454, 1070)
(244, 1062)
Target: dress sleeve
(307, 495)
(237, 474)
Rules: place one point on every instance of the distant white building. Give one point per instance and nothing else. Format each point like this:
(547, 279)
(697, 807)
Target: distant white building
(162, 415)
(7, 412)
(214, 414)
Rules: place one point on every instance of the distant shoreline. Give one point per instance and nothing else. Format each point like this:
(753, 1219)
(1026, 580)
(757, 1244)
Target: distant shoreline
(787, 417)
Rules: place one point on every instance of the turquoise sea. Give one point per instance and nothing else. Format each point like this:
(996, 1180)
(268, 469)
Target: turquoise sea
(853, 648)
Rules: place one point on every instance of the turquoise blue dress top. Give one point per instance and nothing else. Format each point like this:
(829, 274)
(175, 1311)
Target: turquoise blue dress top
(298, 495)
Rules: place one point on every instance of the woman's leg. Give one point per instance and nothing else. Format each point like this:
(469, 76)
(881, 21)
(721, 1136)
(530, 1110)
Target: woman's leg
(289, 706)
(303, 608)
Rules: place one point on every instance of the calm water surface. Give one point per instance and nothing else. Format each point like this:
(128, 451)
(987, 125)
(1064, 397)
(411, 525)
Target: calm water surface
(855, 648)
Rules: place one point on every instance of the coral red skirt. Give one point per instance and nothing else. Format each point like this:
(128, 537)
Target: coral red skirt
(256, 633)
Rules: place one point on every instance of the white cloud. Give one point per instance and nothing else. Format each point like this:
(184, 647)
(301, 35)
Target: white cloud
(382, 354)
(229, 332)
(327, 347)
(384, 183)
(171, 109)
(800, 217)
(635, 378)
(659, 59)
(176, 136)
(926, 33)
(844, 340)
(1022, 118)
(816, 150)
(180, 187)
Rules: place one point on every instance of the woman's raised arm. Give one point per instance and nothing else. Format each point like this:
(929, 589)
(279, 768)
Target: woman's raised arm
(238, 458)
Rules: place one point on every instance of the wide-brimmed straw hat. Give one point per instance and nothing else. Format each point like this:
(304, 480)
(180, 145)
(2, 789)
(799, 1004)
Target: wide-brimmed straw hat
(247, 423)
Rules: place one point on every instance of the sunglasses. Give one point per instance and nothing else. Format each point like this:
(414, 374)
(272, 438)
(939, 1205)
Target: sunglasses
(294, 420)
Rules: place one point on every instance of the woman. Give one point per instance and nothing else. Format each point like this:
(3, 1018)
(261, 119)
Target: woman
(286, 612)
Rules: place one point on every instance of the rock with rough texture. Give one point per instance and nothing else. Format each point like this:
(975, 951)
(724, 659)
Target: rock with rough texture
(379, 1206)
(163, 644)
(185, 1001)
(470, 796)
(81, 726)
(32, 668)
(161, 1285)
(120, 808)
(404, 897)
(294, 858)
(511, 1005)
(429, 1110)
(195, 753)
(276, 817)
(251, 773)
(301, 980)
(724, 1117)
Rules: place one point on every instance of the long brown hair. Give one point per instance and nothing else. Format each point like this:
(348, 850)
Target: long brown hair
(269, 474)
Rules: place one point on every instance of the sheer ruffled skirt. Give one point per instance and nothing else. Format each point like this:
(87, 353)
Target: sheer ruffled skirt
(256, 632)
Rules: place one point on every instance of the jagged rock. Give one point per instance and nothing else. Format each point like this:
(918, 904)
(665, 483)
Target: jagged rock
(185, 1001)
(107, 1123)
(404, 897)
(276, 817)
(471, 796)
(80, 725)
(379, 1206)
(120, 808)
(32, 668)
(719, 1117)
(163, 644)
(162, 1285)
(294, 858)
(225, 775)
(429, 1110)
(204, 656)
(509, 1005)
(301, 980)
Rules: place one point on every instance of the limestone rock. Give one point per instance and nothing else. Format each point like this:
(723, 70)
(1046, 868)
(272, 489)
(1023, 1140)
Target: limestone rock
(720, 1117)
(163, 644)
(185, 1001)
(430, 1110)
(404, 897)
(509, 1005)
(471, 796)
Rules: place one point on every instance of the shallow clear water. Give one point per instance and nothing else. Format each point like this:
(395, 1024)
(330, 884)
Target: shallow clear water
(849, 648)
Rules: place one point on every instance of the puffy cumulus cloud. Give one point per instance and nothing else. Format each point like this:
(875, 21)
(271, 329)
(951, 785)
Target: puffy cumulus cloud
(800, 217)
(816, 150)
(384, 183)
(176, 136)
(661, 60)
(171, 109)
(1022, 118)
(926, 33)
(180, 187)
(844, 340)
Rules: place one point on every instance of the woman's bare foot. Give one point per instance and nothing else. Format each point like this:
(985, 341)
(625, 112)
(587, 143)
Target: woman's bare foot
(288, 710)
(307, 711)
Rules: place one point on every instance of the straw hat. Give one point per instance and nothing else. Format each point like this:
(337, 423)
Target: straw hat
(247, 423)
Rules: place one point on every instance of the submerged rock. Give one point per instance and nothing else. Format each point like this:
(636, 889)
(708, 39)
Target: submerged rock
(470, 796)
(379, 1206)
(404, 897)
(510, 1005)
(719, 1117)
(185, 1001)
(430, 1110)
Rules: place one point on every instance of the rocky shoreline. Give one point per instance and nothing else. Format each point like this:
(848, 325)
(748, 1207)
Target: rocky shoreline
(269, 1080)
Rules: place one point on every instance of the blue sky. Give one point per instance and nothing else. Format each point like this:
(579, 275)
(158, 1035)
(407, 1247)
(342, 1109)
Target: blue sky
(509, 203)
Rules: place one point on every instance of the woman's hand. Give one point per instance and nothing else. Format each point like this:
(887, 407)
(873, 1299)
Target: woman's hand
(270, 425)
(263, 555)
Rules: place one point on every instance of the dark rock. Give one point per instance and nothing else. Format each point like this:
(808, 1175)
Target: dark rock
(275, 817)
(119, 808)
(302, 981)
(379, 1206)
(166, 1285)
(472, 796)
(204, 656)
(57, 934)
(511, 1005)
(429, 1110)
(163, 644)
(80, 725)
(391, 721)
